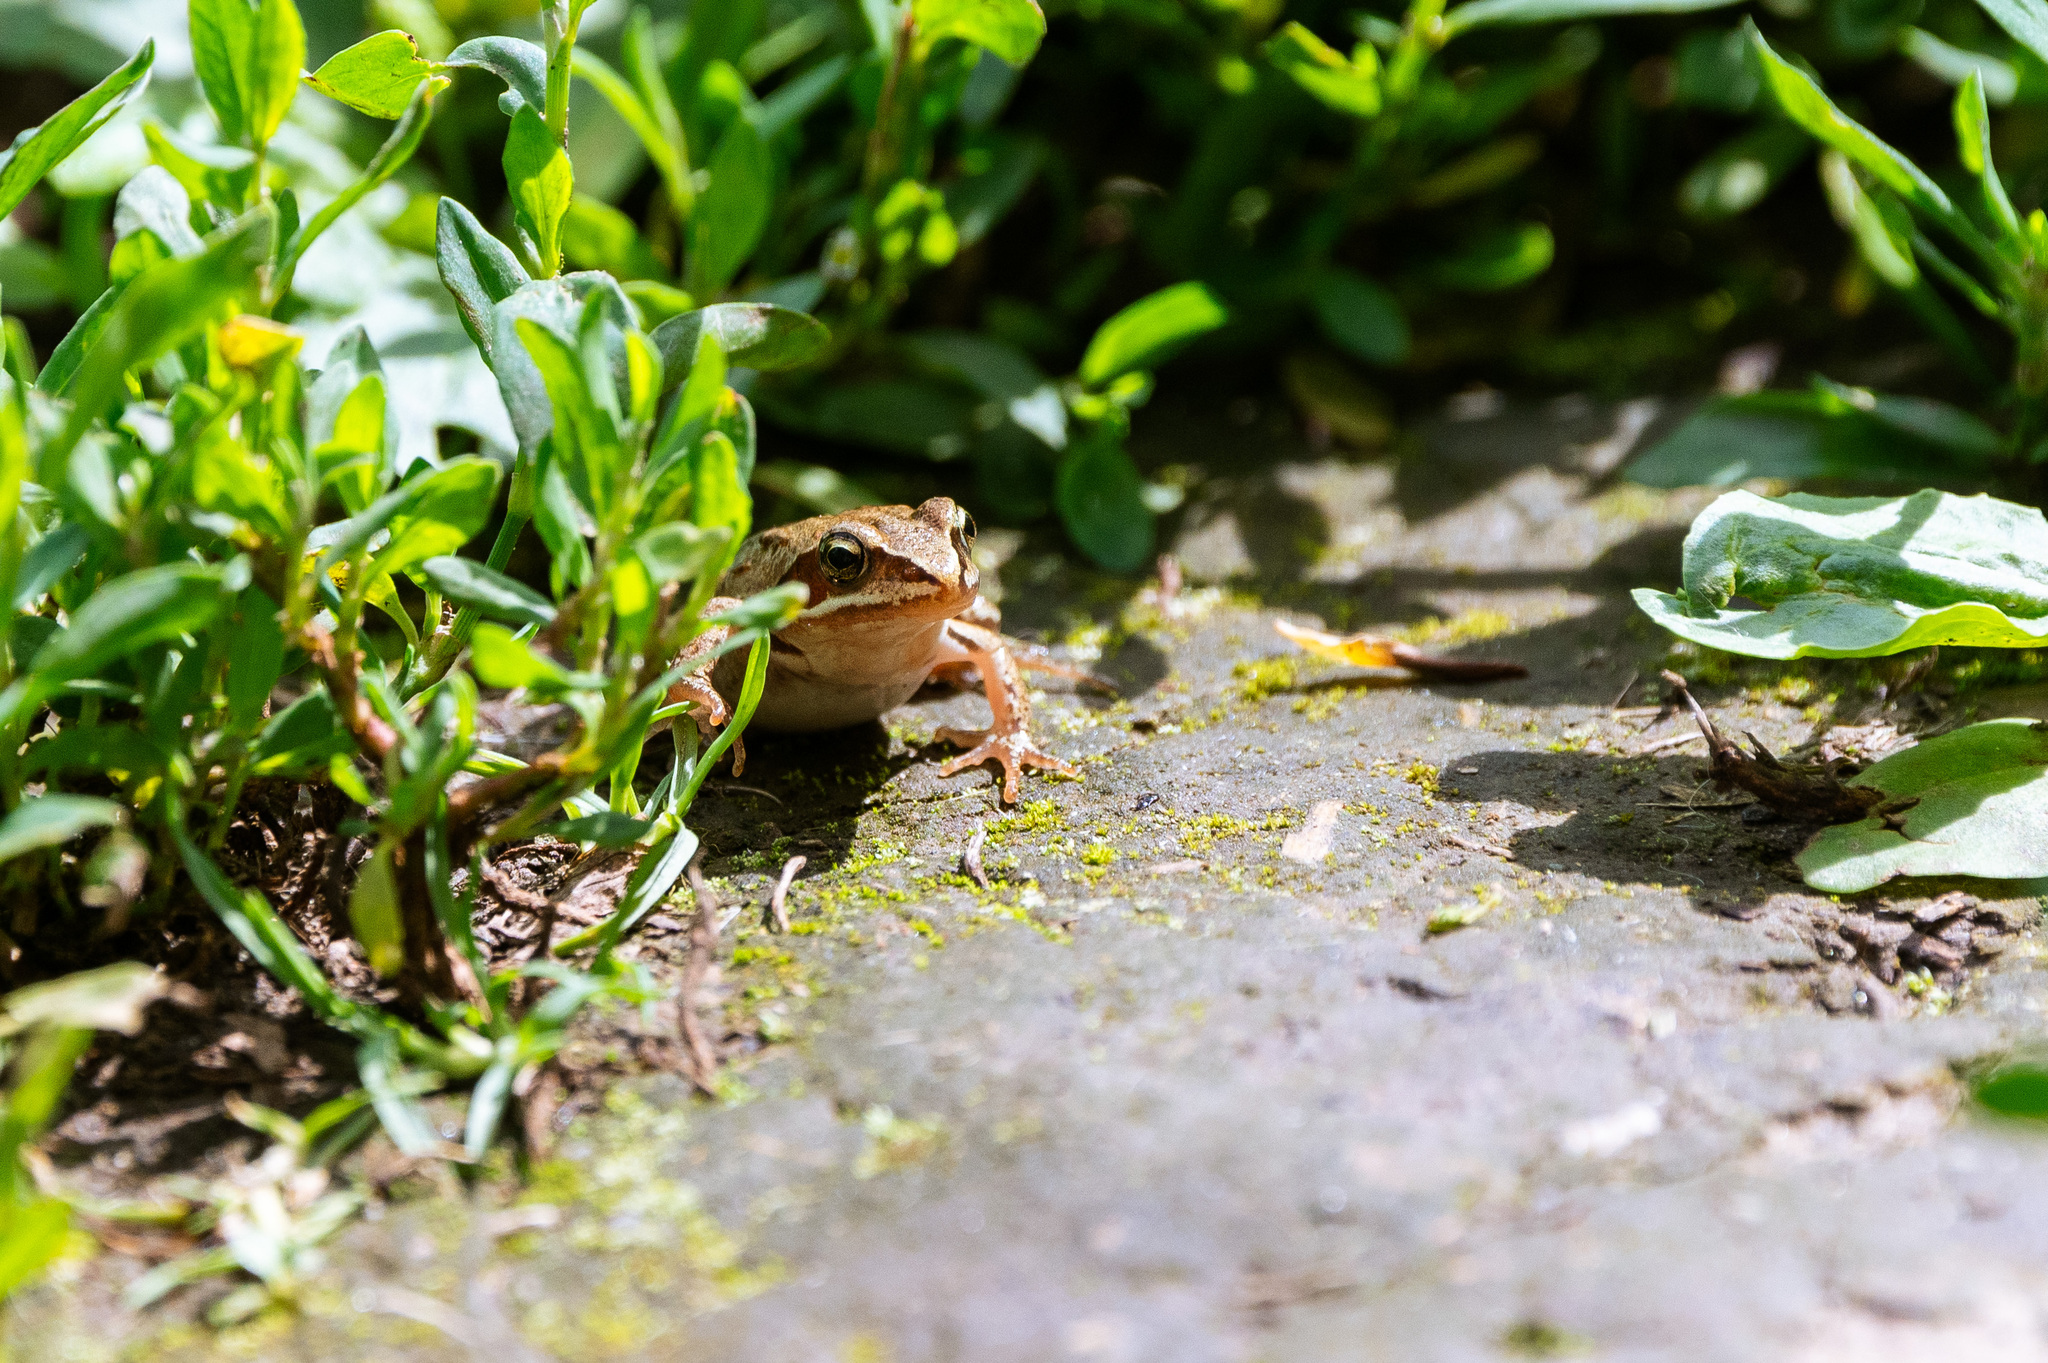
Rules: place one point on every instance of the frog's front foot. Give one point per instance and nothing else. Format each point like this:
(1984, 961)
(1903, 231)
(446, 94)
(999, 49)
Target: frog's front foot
(1014, 750)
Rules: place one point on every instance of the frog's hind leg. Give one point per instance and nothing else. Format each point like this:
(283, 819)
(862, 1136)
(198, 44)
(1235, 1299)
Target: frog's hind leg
(1007, 740)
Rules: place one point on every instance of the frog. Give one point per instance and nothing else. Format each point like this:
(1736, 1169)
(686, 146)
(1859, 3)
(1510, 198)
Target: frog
(895, 603)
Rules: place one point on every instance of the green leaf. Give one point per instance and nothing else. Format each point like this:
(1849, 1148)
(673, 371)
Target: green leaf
(394, 1093)
(1496, 13)
(52, 820)
(277, 57)
(1736, 175)
(754, 335)
(32, 1233)
(1860, 577)
(478, 269)
(255, 659)
(300, 739)
(112, 998)
(541, 183)
(1011, 29)
(718, 496)
(500, 660)
(732, 212)
(660, 137)
(1973, 146)
(248, 916)
(1830, 432)
(150, 606)
(606, 828)
(439, 514)
(487, 1102)
(1805, 104)
(523, 66)
(1980, 800)
(37, 151)
(1501, 259)
(377, 76)
(2015, 1090)
(492, 594)
(2025, 20)
(223, 176)
(587, 447)
(1145, 333)
(1348, 86)
(1360, 317)
(223, 46)
(679, 550)
(373, 911)
(165, 306)
(1100, 497)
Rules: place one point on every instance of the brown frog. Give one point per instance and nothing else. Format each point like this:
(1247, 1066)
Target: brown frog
(893, 604)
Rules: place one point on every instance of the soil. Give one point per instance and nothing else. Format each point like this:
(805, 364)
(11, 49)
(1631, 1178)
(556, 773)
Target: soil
(1329, 1016)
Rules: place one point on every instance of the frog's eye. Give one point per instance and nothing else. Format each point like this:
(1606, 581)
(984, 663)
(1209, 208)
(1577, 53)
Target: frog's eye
(842, 556)
(966, 525)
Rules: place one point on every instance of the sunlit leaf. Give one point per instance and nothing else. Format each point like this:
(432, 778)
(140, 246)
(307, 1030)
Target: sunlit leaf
(1149, 330)
(377, 76)
(36, 151)
(1012, 29)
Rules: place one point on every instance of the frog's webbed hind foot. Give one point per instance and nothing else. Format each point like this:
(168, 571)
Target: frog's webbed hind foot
(1015, 751)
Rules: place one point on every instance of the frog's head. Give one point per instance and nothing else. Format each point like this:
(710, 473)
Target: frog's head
(882, 563)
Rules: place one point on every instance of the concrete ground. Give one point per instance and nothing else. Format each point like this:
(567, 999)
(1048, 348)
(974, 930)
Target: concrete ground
(1328, 1017)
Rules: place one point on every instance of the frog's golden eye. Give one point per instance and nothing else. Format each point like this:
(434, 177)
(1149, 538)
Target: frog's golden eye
(842, 556)
(966, 525)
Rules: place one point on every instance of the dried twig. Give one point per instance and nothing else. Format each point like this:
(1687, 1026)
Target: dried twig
(701, 1058)
(970, 860)
(778, 902)
(1811, 793)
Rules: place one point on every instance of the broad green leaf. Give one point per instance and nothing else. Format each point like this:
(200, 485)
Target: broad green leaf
(500, 660)
(557, 304)
(301, 738)
(2025, 20)
(494, 595)
(223, 49)
(606, 828)
(913, 416)
(277, 56)
(228, 478)
(164, 307)
(1805, 104)
(732, 212)
(478, 269)
(1829, 432)
(993, 368)
(441, 513)
(1360, 317)
(37, 151)
(52, 820)
(539, 178)
(765, 612)
(1011, 29)
(596, 236)
(1149, 330)
(1100, 496)
(1349, 86)
(1498, 13)
(374, 915)
(1980, 798)
(377, 76)
(1502, 259)
(523, 66)
(1860, 577)
(222, 176)
(753, 335)
(679, 550)
(149, 606)
(111, 998)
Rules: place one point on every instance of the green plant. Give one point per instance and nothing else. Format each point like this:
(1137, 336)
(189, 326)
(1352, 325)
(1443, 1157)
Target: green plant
(226, 586)
(44, 1028)
(1864, 577)
(1911, 231)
